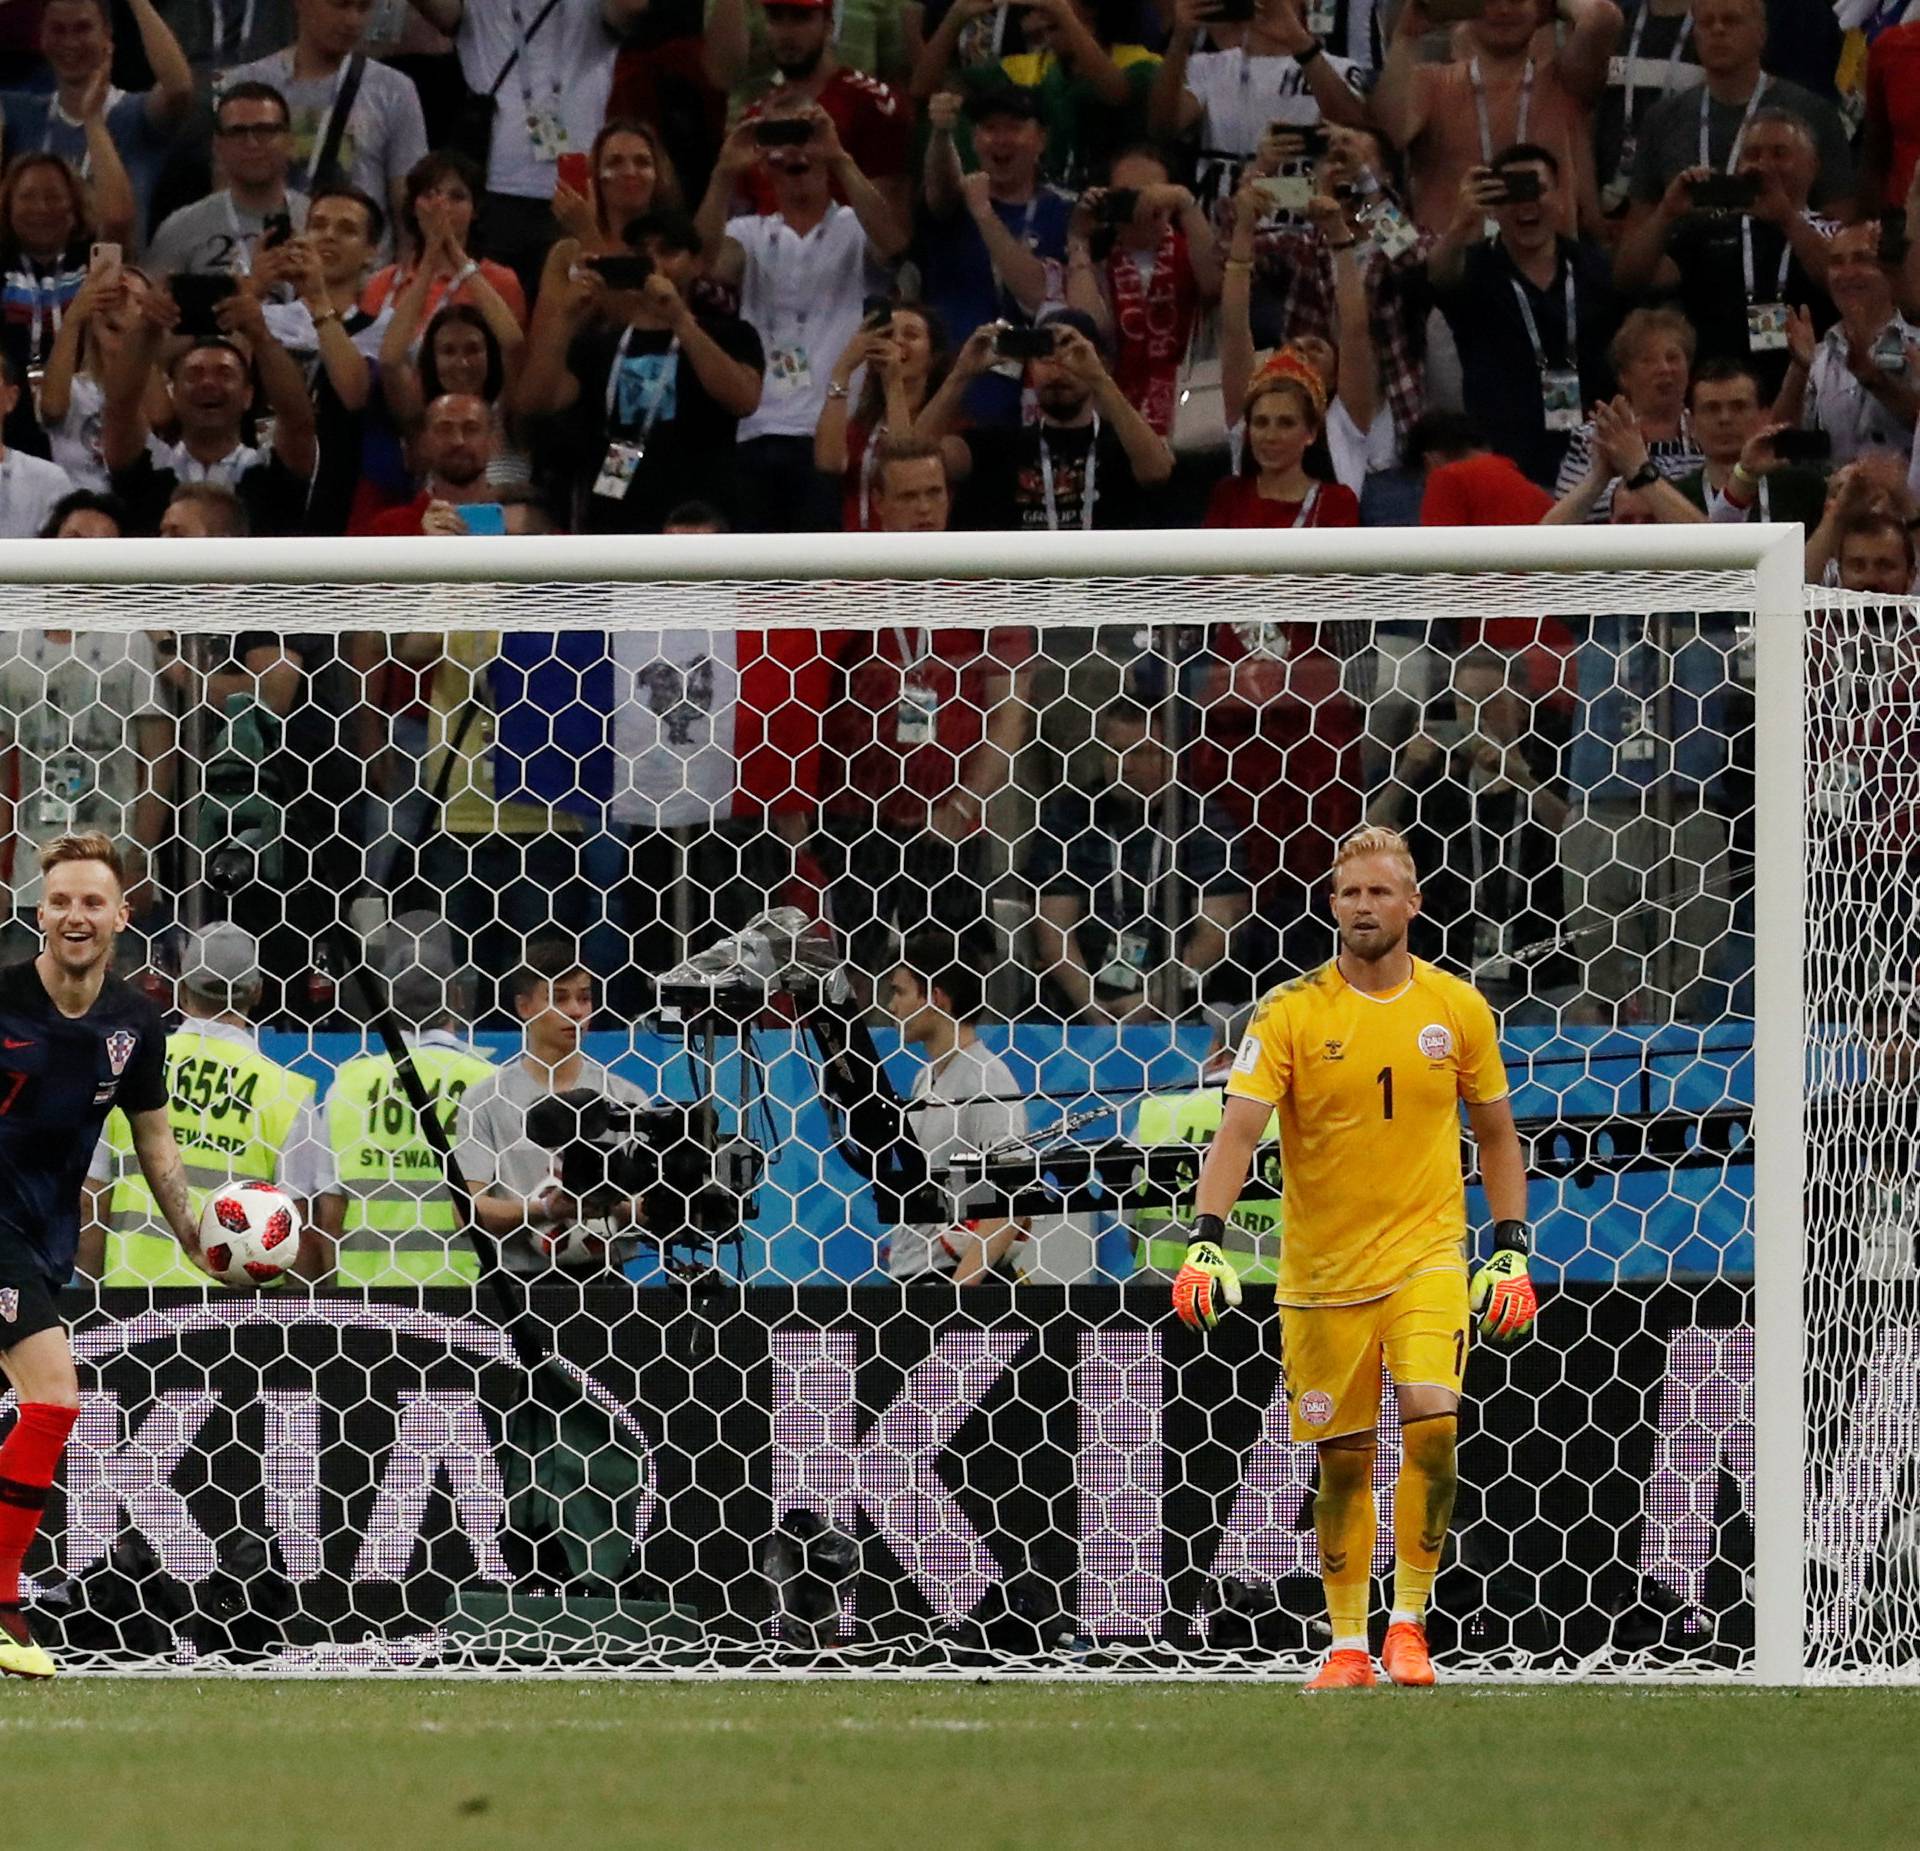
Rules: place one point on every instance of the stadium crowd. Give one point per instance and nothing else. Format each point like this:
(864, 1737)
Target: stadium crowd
(470, 267)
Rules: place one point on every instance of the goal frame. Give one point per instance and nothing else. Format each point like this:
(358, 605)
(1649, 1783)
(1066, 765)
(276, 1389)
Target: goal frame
(1770, 551)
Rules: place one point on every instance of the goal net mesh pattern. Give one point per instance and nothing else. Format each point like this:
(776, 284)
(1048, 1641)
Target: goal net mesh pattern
(792, 1441)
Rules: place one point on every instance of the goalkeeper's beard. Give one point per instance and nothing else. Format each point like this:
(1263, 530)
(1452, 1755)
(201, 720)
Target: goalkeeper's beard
(1371, 944)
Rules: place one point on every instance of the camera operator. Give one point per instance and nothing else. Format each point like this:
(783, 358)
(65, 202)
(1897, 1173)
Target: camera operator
(935, 994)
(516, 1194)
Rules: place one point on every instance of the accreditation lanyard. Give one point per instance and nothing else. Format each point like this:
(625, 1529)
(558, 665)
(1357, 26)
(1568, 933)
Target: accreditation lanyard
(1479, 86)
(242, 253)
(869, 464)
(1746, 262)
(1633, 60)
(650, 414)
(1155, 859)
(523, 63)
(1303, 516)
(1739, 134)
(47, 309)
(1024, 238)
(916, 652)
(1572, 361)
(1087, 490)
(219, 28)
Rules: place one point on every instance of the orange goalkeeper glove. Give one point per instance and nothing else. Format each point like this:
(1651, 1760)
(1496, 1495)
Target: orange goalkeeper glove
(1206, 1278)
(1502, 1294)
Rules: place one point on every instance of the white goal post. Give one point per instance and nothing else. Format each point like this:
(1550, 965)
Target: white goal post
(1074, 582)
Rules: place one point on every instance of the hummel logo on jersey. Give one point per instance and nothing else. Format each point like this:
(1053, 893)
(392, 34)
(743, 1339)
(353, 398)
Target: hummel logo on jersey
(1336, 1050)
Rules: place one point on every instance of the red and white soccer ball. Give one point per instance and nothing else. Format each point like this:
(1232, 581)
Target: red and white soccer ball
(250, 1233)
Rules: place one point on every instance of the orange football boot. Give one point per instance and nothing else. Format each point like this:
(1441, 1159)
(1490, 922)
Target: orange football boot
(1403, 1655)
(1348, 1670)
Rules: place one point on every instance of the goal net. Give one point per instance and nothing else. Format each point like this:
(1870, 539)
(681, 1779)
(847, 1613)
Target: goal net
(901, 894)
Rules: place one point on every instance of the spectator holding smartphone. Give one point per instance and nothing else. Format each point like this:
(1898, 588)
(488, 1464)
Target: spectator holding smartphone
(1707, 126)
(1736, 265)
(1262, 66)
(73, 388)
(456, 438)
(804, 272)
(656, 388)
(1749, 473)
(869, 117)
(220, 234)
(1450, 117)
(1160, 268)
(993, 241)
(900, 353)
(626, 172)
(1532, 311)
(1856, 381)
(211, 383)
(1083, 464)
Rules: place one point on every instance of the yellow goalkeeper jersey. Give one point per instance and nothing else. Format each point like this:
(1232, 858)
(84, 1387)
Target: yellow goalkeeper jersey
(1368, 1091)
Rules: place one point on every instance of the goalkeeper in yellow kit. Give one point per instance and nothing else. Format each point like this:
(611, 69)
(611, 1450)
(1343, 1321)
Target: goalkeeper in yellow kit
(1367, 1061)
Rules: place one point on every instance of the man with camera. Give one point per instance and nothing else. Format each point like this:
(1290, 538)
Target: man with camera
(804, 271)
(656, 387)
(1532, 311)
(516, 1190)
(1738, 248)
(1855, 382)
(211, 380)
(1262, 65)
(1083, 464)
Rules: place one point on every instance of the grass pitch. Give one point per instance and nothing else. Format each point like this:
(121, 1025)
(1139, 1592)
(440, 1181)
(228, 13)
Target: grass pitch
(416, 1766)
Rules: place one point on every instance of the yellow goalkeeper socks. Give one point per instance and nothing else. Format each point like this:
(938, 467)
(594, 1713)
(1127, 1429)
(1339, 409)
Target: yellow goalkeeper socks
(1343, 1519)
(1422, 1509)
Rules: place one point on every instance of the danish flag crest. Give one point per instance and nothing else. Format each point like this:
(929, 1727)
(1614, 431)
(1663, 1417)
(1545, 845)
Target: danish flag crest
(9, 1302)
(120, 1046)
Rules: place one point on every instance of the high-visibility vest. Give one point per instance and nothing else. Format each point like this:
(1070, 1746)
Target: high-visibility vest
(231, 1109)
(399, 1227)
(1253, 1229)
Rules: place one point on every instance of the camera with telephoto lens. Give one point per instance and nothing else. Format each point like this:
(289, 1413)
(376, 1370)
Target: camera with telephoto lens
(696, 1186)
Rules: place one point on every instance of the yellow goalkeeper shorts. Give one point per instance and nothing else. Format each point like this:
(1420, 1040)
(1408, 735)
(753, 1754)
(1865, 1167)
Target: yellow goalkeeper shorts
(1330, 1355)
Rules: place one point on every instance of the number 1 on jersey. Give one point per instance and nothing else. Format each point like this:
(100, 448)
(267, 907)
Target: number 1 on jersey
(1385, 1079)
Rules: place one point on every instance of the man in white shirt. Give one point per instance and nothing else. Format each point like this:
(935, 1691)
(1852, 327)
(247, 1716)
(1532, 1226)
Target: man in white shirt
(548, 65)
(516, 1194)
(29, 485)
(803, 272)
(964, 1098)
(1272, 69)
(384, 133)
(1856, 382)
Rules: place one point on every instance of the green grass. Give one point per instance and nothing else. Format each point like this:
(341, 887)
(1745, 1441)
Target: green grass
(759, 1767)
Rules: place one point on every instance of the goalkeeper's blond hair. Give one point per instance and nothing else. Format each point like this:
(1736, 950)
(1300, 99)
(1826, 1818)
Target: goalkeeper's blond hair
(1376, 840)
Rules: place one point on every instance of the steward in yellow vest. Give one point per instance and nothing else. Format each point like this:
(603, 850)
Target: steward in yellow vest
(234, 1111)
(399, 1226)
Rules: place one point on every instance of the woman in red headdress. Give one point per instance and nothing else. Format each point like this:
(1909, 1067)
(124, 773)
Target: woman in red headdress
(1277, 484)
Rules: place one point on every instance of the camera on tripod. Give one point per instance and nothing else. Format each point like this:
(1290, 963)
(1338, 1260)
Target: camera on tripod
(697, 1187)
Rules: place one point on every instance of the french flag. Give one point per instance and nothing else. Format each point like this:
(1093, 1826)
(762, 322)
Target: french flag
(662, 729)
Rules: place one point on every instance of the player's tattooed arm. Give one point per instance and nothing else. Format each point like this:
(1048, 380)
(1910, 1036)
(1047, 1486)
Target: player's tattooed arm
(160, 1164)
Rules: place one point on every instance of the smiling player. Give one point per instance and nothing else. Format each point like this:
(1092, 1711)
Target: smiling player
(74, 1043)
(1367, 1061)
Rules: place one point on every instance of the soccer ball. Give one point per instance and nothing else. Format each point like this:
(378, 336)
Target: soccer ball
(250, 1233)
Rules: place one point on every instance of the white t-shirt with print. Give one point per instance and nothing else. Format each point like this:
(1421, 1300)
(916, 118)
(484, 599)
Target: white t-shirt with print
(802, 296)
(975, 1107)
(565, 75)
(68, 708)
